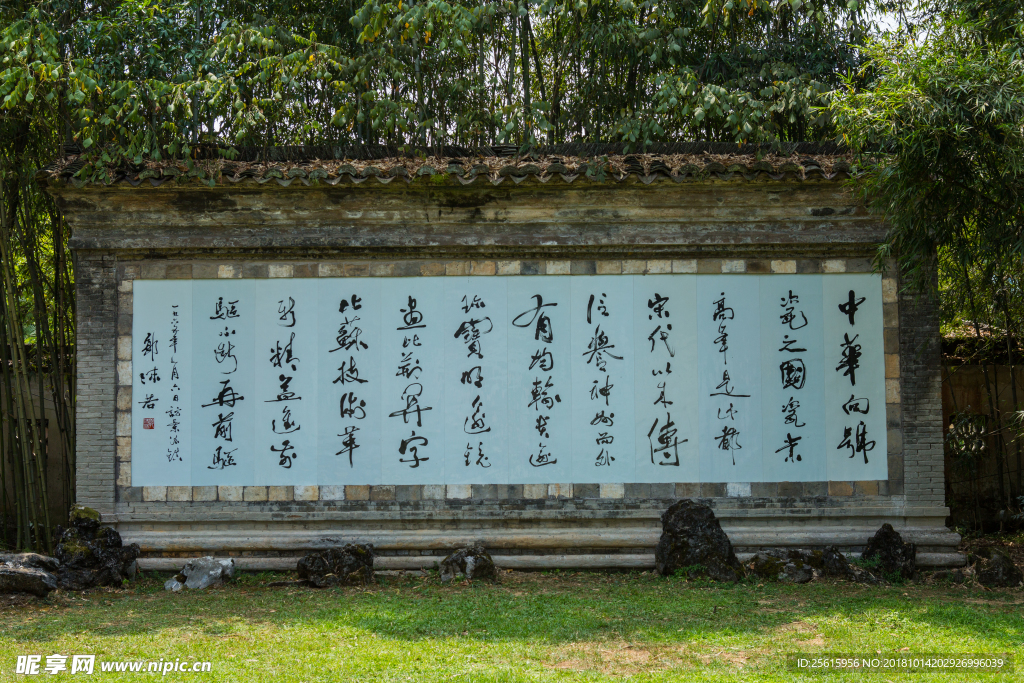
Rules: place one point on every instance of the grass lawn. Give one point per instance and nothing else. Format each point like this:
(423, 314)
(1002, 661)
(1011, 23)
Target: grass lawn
(527, 627)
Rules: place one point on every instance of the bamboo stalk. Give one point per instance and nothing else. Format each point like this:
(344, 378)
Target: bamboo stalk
(35, 531)
(992, 415)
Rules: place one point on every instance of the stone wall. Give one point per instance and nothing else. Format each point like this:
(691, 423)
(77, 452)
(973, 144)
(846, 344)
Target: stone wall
(122, 234)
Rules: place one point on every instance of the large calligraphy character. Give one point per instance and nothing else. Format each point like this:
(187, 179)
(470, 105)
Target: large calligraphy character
(544, 331)
(851, 358)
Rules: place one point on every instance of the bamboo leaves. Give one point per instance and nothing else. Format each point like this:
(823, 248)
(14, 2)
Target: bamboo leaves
(435, 72)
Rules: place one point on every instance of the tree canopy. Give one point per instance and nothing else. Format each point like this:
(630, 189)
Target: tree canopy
(938, 121)
(150, 79)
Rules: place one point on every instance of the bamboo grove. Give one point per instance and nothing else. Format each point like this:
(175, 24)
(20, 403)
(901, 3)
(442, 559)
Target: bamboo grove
(146, 80)
(36, 342)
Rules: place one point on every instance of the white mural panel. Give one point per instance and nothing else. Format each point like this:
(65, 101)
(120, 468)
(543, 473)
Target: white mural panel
(350, 381)
(413, 339)
(539, 380)
(855, 435)
(517, 380)
(793, 380)
(162, 382)
(665, 340)
(602, 363)
(286, 382)
(476, 380)
(729, 357)
(223, 385)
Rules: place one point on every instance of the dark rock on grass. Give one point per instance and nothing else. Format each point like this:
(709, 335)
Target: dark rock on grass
(473, 562)
(789, 566)
(861, 575)
(44, 562)
(692, 540)
(895, 559)
(91, 555)
(835, 564)
(25, 578)
(798, 565)
(346, 566)
(87, 555)
(995, 569)
(202, 572)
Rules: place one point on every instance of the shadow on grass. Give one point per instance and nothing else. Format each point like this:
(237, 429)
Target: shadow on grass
(535, 608)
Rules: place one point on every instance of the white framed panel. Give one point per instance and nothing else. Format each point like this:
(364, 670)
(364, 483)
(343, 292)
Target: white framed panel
(729, 358)
(286, 381)
(793, 378)
(413, 338)
(539, 380)
(665, 343)
(162, 384)
(223, 367)
(601, 349)
(855, 430)
(476, 380)
(350, 404)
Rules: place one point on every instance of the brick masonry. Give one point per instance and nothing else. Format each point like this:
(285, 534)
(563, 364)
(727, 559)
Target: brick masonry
(920, 388)
(913, 490)
(98, 317)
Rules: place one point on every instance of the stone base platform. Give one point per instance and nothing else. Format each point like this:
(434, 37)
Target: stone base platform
(518, 536)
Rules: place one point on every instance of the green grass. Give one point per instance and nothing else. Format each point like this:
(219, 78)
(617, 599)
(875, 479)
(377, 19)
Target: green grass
(528, 627)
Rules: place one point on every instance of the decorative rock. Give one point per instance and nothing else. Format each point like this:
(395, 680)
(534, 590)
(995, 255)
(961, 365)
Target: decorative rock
(473, 562)
(996, 569)
(799, 565)
(35, 560)
(790, 566)
(202, 572)
(692, 537)
(23, 578)
(794, 573)
(91, 555)
(832, 563)
(767, 564)
(349, 565)
(835, 564)
(174, 584)
(860, 575)
(896, 559)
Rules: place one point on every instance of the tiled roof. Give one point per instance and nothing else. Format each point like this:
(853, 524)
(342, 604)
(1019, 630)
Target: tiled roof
(476, 169)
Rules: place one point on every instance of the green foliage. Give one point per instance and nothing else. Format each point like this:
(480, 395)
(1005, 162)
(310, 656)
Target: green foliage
(36, 291)
(939, 124)
(142, 80)
(946, 107)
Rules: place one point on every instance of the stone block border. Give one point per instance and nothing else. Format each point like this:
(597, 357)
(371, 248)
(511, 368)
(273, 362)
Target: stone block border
(128, 496)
